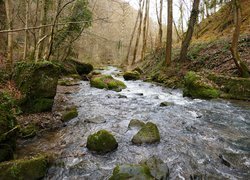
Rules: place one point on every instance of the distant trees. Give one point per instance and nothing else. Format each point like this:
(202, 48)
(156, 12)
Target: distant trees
(43, 27)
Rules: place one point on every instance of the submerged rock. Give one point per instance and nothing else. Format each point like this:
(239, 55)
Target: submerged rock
(131, 75)
(69, 114)
(96, 120)
(149, 134)
(37, 83)
(197, 86)
(158, 169)
(133, 172)
(164, 104)
(107, 82)
(135, 123)
(102, 142)
(34, 168)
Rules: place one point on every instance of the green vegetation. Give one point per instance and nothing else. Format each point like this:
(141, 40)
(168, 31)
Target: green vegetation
(107, 82)
(149, 134)
(28, 131)
(69, 114)
(34, 168)
(102, 142)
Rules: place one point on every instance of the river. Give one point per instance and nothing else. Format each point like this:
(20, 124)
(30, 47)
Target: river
(193, 133)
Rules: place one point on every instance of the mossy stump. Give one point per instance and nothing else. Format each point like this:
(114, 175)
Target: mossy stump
(107, 82)
(131, 75)
(148, 134)
(102, 142)
(32, 169)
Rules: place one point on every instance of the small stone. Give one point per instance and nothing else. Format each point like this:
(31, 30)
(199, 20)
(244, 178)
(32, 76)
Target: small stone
(165, 104)
(69, 114)
(135, 123)
(96, 120)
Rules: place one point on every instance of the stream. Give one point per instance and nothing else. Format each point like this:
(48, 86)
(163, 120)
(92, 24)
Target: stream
(193, 133)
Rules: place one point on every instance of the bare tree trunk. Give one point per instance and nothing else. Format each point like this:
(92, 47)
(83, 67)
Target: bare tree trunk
(243, 69)
(139, 32)
(9, 15)
(126, 62)
(145, 29)
(27, 5)
(189, 34)
(169, 33)
(159, 19)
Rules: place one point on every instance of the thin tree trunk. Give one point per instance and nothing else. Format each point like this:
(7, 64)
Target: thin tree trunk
(189, 34)
(159, 19)
(139, 32)
(9, 16)
(243, 69)
(126, 62)
(169, 33)
(27, 5)
(145, 29)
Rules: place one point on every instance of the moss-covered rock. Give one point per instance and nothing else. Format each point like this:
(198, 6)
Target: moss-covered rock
(149, 134)
(197, 86)
(8, 132)
(158, 169)
(232, 87)
(37, 83)
(107, 82)
(131, 75)
(135, 123)
(28, 131)
(81, 67)
(69, 114)
(102, 142)
(132, 172)
(68, 81)
(34, 168)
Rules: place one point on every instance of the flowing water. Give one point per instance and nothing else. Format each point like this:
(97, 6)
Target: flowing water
(193, 133)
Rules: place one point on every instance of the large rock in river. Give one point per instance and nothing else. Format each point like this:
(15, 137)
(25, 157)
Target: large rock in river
(131, 75)
(8, 131)
(149, 134)
(107, 82)
(32, 169)
(197, 86)
(102, 142)
(37, 83)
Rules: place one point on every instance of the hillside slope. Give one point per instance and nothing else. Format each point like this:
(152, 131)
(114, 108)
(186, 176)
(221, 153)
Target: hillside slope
(221, 23)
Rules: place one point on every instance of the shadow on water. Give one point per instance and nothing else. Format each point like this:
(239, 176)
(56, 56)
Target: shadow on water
(196, 135)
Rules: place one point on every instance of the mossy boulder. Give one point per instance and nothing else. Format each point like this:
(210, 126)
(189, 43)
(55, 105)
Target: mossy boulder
(69, 114)
(107, 82)
(81, 67)
(135, 123)
(102, 142)
(197, 86)
(158, 169)
(68, 81)
(8, 130)
(28, 131)
(133, 172)
(37, 83)
(149, 134)
(131, 75)
(232, 87)
(34, 168)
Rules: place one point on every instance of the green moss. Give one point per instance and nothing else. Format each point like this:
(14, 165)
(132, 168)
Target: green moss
(131, 75)
(107, 82)
(69, 114)
(28, 131)
(34, 168)
(135, 123)
(197, 86)
(149, 133)
(102, 142)
(132, 172)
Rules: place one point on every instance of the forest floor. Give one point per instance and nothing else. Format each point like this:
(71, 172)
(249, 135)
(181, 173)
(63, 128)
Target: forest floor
(214, 56)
